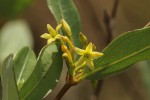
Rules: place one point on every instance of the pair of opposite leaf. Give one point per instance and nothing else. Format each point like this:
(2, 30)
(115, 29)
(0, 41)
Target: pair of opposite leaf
(87, 54)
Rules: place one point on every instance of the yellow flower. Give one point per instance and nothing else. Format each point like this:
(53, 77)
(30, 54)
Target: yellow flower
(53, 34)
(87, 56)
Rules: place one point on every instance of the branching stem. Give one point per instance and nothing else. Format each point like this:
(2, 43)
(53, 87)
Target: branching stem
(64, 89)
(69, 83)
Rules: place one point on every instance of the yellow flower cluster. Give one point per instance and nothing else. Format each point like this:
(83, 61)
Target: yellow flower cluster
(87, 55)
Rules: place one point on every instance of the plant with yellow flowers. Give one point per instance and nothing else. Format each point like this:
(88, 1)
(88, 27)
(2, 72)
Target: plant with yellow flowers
(76, 65)
(27, 77)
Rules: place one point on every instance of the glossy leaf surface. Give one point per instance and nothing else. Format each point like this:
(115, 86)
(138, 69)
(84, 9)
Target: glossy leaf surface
(45, 75)
(66, 9)
(24, 64)
(9, 87)
(122, 52)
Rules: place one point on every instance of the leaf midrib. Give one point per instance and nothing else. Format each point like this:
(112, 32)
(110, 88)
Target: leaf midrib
(21, 72)
(35, 84)
(61, 10)
(117, 61)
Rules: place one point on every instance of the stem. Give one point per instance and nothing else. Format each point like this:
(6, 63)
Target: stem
(108, 22)
(98, 89)
(79, 67)
(69, 83)
(114, 10)
(64, 89)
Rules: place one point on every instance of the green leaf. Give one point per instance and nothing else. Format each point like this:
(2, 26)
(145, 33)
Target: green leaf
(66, 9)
(10, 9)
(14, 35)
(24, 64)
(122, 52)
(9, 87)
(45, 75)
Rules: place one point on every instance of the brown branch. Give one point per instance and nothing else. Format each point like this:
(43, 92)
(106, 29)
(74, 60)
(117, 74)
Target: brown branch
(65, 88)
(69, 83)
(98, 89)
(114, 10)
(108, 22)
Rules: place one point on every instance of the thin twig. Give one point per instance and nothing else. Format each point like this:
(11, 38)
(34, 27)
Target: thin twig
(98, 89)
(108, 22)
(69, 83)
(114, 10)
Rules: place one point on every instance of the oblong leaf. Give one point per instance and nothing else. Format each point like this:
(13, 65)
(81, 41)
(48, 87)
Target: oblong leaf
(24, 64)
(14, 35)
(66, 9)
(9, 87)
(45, 75)
(122, 52)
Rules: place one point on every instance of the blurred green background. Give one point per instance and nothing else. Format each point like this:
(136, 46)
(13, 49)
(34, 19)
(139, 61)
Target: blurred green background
(23, 21)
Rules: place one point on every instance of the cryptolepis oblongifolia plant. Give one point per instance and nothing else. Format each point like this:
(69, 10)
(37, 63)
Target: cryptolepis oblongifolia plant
(25, 77)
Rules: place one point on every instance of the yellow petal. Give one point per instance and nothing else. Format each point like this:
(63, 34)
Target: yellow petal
(95, 55)
(79, 51)
(89, 48)
(58, 27)
(46, 36)
(90, 63)
(58, 36)
(80, 61)
(49, 41)
(51, 30)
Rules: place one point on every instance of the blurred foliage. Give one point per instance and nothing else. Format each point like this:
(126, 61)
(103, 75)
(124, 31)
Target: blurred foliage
(11, 8)
(144, 67)
(13, 36)
(10, 91)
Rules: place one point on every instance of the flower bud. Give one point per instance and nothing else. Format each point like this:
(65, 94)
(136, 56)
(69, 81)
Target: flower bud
(66, 51)
(83, 39)
(65, 56)
(66, 28)
(66, 39)
(94, 47)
